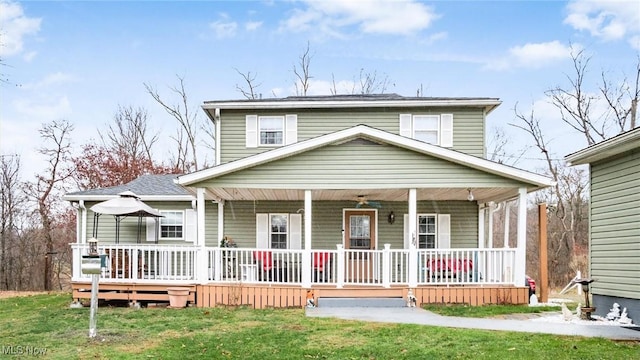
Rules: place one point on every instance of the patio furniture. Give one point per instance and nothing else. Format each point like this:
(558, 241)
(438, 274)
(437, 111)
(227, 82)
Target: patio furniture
(322, 262)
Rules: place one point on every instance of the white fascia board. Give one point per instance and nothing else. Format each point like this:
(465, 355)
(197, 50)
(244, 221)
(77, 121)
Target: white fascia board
(373, 134)
(74, 198)
(611, 147)
(488, 104)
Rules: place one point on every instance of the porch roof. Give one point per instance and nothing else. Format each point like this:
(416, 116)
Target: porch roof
(388, 192)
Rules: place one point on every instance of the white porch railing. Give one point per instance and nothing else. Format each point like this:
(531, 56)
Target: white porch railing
(179, 263)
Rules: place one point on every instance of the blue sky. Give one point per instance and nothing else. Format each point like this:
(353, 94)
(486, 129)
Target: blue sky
(80, 60)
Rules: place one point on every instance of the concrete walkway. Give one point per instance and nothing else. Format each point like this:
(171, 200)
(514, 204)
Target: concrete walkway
(406, 315)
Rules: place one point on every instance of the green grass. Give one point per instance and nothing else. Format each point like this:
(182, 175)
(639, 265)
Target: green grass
(46, 321)
(490, 310)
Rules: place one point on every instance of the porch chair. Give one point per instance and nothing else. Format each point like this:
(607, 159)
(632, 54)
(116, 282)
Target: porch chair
(322, 266)
(264, 261)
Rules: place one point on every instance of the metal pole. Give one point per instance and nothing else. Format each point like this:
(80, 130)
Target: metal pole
(94, 306)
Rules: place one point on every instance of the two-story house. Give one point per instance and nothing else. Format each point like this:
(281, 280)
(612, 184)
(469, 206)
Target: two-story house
(356, 195)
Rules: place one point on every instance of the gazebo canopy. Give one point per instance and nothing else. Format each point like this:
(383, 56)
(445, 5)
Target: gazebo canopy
(128, 204)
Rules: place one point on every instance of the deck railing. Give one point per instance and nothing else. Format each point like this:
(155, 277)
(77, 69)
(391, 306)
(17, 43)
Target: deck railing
(339, 267)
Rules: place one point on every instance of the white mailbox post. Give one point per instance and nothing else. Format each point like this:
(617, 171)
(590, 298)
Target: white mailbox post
(91, 264)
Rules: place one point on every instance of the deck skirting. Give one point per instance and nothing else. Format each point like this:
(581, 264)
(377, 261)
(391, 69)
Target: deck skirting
(283, 296)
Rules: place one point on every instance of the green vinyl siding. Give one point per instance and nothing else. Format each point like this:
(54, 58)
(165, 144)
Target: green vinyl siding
(468, 126)
(359, 164)
(615, 226)
(129, 225)
(327, 222)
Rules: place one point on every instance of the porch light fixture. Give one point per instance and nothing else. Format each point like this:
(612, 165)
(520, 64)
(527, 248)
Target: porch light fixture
(391, 218)
(470, 196)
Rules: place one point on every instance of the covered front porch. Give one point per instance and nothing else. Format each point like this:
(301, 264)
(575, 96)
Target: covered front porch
(274, 278)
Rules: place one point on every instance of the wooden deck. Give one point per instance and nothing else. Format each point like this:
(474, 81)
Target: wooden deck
(131, 292)
(281, 296)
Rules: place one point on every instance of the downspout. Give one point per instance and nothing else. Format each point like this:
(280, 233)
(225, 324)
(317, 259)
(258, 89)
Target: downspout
(216, 124)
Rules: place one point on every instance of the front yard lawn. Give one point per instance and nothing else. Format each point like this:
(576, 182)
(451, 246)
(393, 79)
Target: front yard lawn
(46, 323)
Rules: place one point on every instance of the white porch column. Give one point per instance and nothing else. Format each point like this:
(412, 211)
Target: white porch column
(490, 225)
(83, 223)
(220, 221)
(217, 255)
(306, 254)
(413, 231)
(505, 240)
(521, 248)
(202, 263)
(481, 210)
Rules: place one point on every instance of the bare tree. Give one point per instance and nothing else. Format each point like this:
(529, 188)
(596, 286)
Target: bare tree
(370, 83)
(622, 100)
(128, 134)
(497, 148)
(568, 198)
(56, 148)
(249, 92)
(186, 137)
(11, 204)
(303, 76)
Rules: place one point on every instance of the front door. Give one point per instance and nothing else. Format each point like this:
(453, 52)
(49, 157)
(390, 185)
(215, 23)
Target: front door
(360, 235)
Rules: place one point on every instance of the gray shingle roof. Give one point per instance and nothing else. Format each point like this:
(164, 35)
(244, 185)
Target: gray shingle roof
(145, 185)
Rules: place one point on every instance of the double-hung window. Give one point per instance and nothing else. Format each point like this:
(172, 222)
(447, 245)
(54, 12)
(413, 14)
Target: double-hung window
(279, 230)
(172, 225)
(271, 130)
(426, 231)
(433, 231)
(433, 128)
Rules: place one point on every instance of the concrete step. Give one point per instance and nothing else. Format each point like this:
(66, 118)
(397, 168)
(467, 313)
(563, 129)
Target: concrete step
(361, 302)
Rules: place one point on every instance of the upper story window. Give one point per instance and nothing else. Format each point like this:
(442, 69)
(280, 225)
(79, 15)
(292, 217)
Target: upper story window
(432, 129)
(172, 225)
(271, 130)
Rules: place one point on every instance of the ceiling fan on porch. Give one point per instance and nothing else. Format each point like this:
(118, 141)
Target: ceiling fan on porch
(362, 201)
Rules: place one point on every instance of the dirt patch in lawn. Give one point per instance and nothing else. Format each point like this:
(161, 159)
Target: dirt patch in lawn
(9, 294)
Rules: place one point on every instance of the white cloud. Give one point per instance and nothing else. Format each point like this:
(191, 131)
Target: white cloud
(15, 26)
(224, 28)
(49, 80)
(532, 55)
(252, 25)
(635, 42)
(44, 108)
(403, 17)
(608, 20)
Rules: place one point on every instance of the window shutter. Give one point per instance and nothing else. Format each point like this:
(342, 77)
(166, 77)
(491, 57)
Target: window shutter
(444, 231)
(405, 125)
(152, 228)
(295, 231)
(252, 131)
(446, 130)
(191, 225)
(262, 231)
(407, 237)
(291, 128)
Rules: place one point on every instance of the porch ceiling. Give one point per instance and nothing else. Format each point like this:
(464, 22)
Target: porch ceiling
(480, 194)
